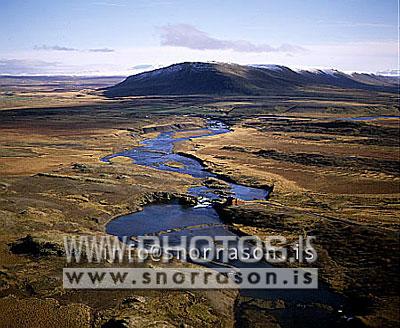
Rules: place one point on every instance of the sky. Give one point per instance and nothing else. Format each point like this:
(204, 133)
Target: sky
(122, 37)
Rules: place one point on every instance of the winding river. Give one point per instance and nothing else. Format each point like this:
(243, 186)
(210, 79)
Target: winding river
(176, 220)
(157, 153)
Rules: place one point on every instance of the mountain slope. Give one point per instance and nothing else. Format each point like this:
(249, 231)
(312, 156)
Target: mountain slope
(196, 78)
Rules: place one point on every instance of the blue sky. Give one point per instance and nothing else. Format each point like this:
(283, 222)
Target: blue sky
(123, 37)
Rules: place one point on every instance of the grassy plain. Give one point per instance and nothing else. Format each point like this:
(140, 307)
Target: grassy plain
(333, 179)
(337, 180)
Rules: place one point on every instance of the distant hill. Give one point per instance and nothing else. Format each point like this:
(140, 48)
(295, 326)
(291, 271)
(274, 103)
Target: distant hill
(56, 83)
(197, 78)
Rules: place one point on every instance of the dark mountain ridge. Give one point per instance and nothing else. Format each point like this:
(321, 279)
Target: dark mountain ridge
(198, 78)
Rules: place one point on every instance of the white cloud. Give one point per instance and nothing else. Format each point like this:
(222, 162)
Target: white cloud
(54, 48)
(188, 36)
(357, 24)
(361, 56)
(142, 66)
(45, 47)
(108, 4)
(101, 50)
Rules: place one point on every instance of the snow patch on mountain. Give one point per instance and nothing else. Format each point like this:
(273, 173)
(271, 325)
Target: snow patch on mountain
(321, 71)
(271, 67)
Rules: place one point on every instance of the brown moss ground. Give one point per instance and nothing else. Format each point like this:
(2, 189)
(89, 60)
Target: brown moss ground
(44, 194)
(341, 206)
(352, 210)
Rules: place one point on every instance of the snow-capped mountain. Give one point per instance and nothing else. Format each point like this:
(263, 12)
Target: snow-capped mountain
(193, 78)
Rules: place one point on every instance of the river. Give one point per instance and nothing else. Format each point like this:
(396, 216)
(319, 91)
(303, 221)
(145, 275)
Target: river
(176, 220)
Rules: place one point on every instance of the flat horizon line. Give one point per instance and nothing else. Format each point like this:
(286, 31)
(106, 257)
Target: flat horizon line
(158, 66)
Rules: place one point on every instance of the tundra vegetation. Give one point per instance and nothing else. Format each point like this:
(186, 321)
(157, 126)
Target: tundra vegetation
(333, 178)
